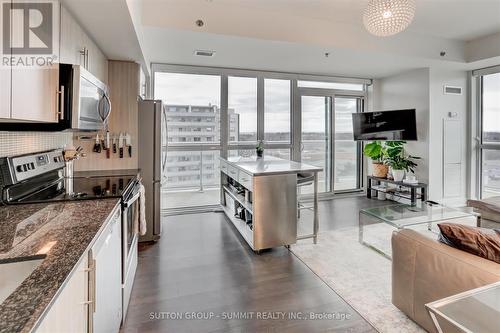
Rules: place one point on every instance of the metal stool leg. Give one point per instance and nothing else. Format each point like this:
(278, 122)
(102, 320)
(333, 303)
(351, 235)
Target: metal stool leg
(314, 235)
(316, 217)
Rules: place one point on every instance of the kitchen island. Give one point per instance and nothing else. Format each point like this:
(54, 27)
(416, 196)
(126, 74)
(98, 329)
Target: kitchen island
(259, 196)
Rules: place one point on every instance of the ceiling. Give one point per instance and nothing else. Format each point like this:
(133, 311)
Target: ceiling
(454, 19)
(292, 35)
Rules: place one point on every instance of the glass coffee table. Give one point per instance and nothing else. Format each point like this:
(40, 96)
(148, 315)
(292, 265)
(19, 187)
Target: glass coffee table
(401, 216)
(476, 310)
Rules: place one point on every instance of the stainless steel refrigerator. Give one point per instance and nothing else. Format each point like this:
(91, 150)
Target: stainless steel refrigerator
(152, 159)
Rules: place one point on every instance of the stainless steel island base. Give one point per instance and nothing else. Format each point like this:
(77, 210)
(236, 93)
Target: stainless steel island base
(259, 197)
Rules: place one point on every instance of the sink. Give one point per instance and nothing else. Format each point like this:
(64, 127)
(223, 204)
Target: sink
(12, 274)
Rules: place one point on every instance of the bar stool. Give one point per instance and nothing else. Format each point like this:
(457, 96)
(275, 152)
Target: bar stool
(305, 179)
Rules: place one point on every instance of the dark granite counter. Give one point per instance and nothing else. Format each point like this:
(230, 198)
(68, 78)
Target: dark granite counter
(61, 233)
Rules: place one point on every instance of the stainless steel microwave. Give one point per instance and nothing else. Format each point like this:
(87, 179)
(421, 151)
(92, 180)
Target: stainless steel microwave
(83, 104)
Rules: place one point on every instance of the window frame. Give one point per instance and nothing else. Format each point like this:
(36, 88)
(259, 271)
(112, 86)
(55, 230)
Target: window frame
(482, 146)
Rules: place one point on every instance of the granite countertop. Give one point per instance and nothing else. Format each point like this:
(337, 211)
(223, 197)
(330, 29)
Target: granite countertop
(25, 230)
(269, 165)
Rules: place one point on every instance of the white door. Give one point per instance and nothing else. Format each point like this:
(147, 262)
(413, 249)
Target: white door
(108, 281)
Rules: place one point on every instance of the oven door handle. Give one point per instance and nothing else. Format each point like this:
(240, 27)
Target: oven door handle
(129, 202)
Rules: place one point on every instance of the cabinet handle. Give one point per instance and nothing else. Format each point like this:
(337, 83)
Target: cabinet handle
(60, 94)
(83, 52)
(92, 282)
(87, 57)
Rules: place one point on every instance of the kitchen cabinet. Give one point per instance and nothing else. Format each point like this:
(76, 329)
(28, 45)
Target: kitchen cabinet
(106, 283)
(91, 300)
(35, 94)
(71, 40)
(69, 313)
(78, 48)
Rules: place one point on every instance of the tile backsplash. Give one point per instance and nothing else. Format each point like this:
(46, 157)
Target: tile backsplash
(18, 143)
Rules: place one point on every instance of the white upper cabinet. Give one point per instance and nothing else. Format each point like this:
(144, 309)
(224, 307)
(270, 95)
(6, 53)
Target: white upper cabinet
(72, 40)
(78, 48)
(35, 80)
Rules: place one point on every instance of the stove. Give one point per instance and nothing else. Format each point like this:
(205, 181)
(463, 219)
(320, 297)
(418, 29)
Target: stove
(38, 177)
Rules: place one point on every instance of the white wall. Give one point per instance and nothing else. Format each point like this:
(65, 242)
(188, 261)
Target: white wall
(408, 90)
(422, 89)
(448, 167)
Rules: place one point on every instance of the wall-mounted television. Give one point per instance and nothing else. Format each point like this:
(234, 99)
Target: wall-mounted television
(385, 125)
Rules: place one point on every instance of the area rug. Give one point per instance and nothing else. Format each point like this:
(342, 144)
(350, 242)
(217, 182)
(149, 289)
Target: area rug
(361, 276)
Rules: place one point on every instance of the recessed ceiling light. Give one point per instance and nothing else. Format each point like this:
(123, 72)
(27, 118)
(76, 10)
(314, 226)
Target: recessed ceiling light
(204, 53)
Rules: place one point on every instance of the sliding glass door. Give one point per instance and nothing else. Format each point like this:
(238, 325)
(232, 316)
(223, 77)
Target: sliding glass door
(327, 140)
(316, 137)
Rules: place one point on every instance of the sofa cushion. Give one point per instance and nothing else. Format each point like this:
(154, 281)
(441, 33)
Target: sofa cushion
(479, 241)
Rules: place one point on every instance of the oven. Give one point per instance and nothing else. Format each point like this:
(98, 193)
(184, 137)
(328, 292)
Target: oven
(130, 237)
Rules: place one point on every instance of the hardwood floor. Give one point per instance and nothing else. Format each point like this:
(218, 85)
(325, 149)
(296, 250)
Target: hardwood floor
(202, 267)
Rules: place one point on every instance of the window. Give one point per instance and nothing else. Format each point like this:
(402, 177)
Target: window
(193, 179)
(188, 97)
(491, 108)
(346, 150)
(490, 136)
(242, 109)
(277, 110)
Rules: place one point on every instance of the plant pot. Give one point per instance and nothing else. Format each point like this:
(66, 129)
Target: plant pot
(379, 170)
(398, 175)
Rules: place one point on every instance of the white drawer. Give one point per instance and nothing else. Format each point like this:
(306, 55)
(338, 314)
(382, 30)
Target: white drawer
(246, 180)
(223, 167)
(232, 172)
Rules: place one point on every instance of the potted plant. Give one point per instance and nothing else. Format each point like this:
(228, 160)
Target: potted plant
(376, 152)
(260, 149)
(398, 160)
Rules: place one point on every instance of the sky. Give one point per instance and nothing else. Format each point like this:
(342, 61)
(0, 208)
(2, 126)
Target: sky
(242, 97)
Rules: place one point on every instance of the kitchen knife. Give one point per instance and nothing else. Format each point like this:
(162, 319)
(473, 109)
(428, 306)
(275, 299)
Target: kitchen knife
(114, 144)
(120, 144)
(128, 141)
(97, 145)
(107, 145)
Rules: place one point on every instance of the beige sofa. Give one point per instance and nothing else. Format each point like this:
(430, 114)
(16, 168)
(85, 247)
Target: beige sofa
(425, 270)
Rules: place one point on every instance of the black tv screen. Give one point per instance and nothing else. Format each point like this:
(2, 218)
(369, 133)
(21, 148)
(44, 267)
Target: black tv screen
(385, 125)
